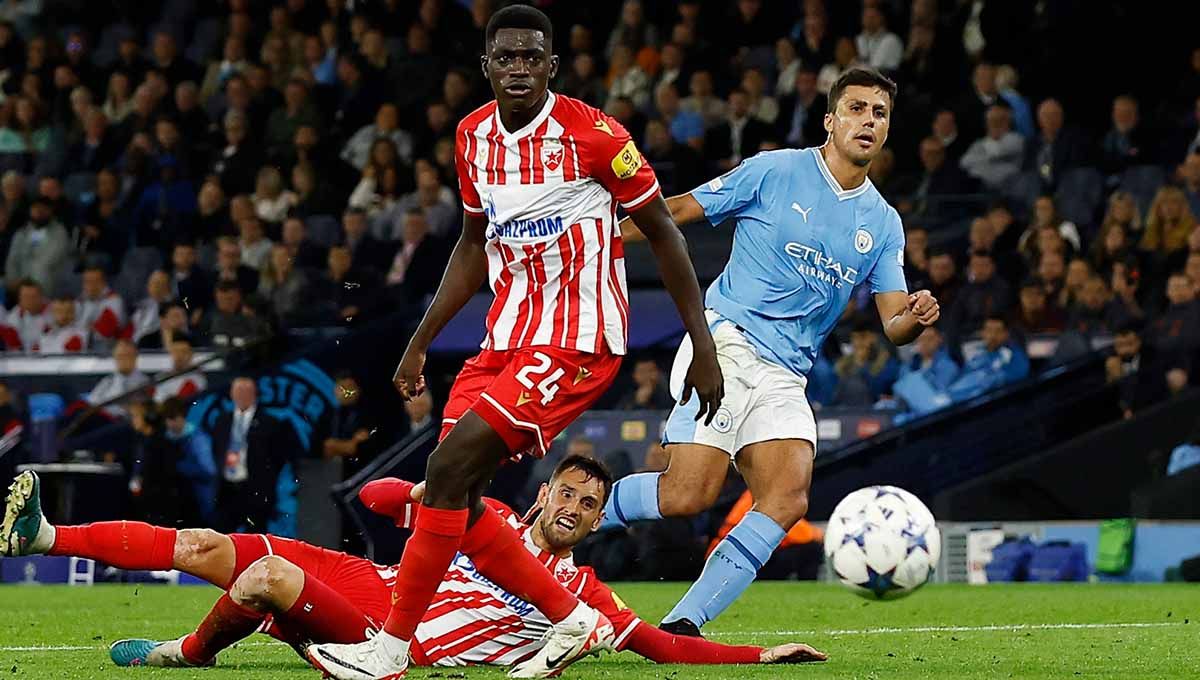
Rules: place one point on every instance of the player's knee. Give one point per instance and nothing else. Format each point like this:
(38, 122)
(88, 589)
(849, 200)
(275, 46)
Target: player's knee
(194, 547)
(262, 585)
(786, 506)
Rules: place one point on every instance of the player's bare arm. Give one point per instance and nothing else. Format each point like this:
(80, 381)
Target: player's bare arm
(684, 210)
(704, 375)
(905, 315)
(465, 274)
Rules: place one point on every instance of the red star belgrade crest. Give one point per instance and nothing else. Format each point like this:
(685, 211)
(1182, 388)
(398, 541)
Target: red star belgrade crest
(552, 154)
(564, 572)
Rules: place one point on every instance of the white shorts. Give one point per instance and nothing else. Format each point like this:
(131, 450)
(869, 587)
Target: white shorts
(763, 400)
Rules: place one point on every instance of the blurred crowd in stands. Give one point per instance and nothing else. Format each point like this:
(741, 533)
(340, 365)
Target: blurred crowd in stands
(193, 173)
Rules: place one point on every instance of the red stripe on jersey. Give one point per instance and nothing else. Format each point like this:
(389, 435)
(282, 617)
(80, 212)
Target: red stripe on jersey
(538, 279)
(523, 319)
(448, 601)
(486, 634)
(503, 290)
(599, 286)
(469, 150)
(573, 295)
(439, 646)
(615, 288)
(501, 153)
(569, 159)
(525, 147)
(490, 140)
(566, 252)
(539, 172)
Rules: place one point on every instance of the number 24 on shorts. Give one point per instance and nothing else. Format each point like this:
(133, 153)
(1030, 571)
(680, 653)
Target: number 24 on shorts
(546, 386)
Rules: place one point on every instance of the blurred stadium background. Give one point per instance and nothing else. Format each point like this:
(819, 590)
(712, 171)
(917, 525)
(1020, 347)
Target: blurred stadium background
(194, 192)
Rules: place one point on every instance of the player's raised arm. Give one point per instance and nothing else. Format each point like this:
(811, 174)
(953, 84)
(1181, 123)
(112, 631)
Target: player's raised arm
(654, 220)
(465, 274)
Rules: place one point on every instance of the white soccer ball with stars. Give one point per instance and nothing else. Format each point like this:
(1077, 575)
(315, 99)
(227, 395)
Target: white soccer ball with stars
(882, 542)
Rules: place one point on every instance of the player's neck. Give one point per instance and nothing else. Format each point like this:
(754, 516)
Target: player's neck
(516, 119)
(848, 175)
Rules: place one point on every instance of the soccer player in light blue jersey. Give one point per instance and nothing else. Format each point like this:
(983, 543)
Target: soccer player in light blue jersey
(809, 227)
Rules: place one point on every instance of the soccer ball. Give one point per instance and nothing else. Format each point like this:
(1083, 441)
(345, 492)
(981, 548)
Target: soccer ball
(882, 542)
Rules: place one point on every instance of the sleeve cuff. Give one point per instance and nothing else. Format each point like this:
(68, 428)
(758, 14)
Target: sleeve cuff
(472, 209)
(643, 199)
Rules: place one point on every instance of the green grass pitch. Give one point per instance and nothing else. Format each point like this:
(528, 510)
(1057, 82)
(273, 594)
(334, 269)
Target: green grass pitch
(1000, 631)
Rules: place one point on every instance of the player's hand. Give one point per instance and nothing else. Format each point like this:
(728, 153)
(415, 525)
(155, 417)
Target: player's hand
(924, 306)
(418, 492)
(408, 379)
(793, 652)
(704, 375)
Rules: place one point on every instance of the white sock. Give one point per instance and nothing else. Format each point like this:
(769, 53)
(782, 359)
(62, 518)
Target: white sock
(579, 618)
(44, 541)
(392, 646)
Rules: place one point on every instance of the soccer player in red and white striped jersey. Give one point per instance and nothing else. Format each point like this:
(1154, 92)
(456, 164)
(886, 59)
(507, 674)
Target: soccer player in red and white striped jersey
(541, 176)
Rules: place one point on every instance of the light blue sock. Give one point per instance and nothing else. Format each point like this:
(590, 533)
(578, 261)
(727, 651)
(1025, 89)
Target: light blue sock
(633, 498)
(730, 569)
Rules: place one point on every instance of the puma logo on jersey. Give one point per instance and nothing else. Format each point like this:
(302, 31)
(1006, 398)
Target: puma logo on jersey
(524, 399)
(803, 213)
(603, 125)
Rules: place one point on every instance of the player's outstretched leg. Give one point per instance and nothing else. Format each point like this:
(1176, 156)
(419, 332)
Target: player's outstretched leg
(778, 473)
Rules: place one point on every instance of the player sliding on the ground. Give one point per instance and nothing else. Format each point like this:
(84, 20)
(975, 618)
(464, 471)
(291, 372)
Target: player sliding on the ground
(300, 594)
(541, 176)
(809, 228)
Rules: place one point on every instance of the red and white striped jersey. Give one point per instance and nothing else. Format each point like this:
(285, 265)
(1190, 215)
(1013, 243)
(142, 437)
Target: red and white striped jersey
(63, 340)
(473, 621)
(104, 316)
(24, 329)
(550, 192)
(183, 386)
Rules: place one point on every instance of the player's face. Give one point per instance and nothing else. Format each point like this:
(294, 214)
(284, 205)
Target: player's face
(572, 505)
(519, 66)
(859, 125)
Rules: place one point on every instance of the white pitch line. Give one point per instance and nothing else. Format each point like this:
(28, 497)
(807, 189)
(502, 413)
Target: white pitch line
(959, 629)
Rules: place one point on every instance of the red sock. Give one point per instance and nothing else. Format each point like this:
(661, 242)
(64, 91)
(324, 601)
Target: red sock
(499, 554)
(125, 545)
(321, 614)
(225, 624)
(426, 558)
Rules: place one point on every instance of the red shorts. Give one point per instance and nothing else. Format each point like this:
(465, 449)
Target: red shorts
(529, 395)
(365, 585)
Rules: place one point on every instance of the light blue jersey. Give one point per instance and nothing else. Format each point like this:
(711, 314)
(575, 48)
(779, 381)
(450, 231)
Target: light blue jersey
(801, 244)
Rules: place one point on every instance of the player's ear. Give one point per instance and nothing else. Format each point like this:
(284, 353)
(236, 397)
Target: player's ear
(543, 495)
(828, 122)
(596, 523)
(483, 60)
(553, 66)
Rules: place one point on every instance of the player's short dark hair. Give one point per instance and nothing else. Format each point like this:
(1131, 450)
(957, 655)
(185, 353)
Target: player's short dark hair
(591, 467)
(520, 16)
(864, 76)
(173, 407)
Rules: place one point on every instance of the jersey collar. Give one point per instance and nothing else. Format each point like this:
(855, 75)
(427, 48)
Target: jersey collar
(842, 194)
(532, 125)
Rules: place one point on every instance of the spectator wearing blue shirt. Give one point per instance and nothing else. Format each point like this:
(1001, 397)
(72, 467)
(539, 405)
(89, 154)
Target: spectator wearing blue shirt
(1000, 363)
(932, 360)
(687, 127)
(195, 462)
(867, 372)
